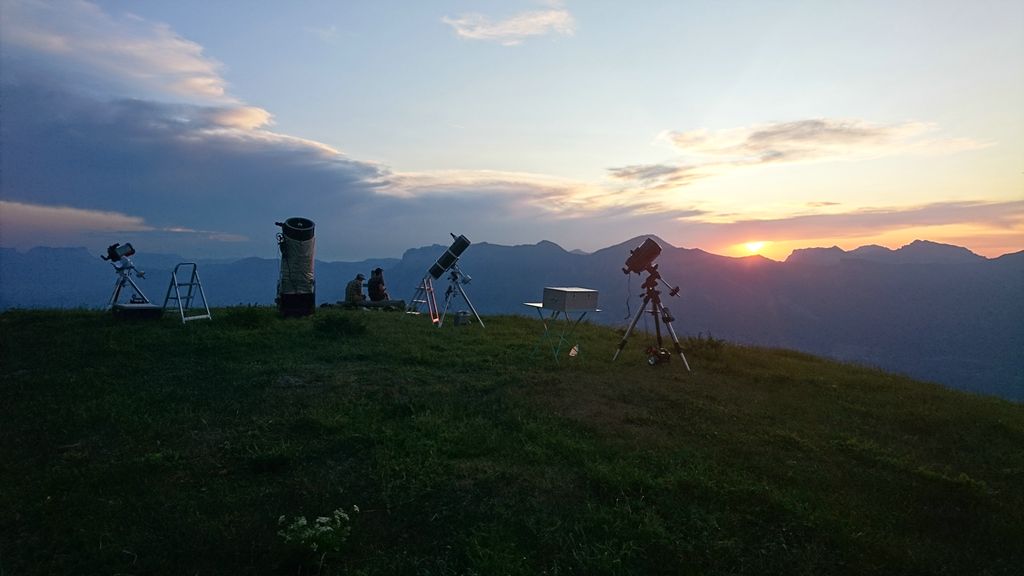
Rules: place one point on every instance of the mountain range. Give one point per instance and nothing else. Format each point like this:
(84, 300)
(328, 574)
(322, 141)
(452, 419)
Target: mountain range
(933, 311)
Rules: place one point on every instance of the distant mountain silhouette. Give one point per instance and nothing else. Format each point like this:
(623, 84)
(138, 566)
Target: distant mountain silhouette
(917, 252)
(933, 311)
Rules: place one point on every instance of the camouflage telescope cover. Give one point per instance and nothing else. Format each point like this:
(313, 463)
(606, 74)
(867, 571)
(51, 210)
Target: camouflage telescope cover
(296, 266)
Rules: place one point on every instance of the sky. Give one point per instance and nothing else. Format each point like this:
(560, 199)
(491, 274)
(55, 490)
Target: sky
(734, 126)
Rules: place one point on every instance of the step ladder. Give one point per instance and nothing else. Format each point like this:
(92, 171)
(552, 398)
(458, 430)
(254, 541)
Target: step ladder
(185, 298)
(425, 295)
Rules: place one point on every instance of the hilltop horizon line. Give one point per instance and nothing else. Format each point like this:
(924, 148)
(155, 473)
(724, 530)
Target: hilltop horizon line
(817, 253)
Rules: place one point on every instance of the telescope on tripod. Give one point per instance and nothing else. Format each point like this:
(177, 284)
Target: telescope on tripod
(457, 279)
(186, 292)
(641, 259)
(138, 305)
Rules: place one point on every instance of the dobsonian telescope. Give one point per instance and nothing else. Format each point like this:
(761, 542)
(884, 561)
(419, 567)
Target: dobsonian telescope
(457, 279)
(641, 259)
(296, 287)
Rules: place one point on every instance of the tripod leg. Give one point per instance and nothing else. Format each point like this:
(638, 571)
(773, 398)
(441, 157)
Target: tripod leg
(656, 311)
(466, 298)
(625, 337)
(672, 331)
(117, 292)
(448, 295)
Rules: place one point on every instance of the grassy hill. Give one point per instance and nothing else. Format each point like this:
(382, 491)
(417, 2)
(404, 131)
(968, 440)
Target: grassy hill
(156, 448)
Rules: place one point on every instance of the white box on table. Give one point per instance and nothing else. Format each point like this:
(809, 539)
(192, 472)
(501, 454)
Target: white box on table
(569, 299)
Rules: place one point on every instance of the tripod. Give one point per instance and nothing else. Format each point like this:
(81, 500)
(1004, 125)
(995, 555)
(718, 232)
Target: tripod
(661, 315)
(124, 273)
(456, 280)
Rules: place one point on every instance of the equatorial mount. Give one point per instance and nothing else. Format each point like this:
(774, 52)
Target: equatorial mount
(642, 260)
(654, 277)
(138, 305)
(457, 279)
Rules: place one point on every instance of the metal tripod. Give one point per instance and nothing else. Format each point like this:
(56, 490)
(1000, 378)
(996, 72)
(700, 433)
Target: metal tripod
(124, 278)
(456, 280)
(652, 297)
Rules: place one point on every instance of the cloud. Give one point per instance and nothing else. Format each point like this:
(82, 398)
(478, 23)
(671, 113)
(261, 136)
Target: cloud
(25, 225)
(657, 176)
(523, 193)
(240, 117)
(120, 126)
(115, 115)
(515, 29)
(817, 139)
(1007, 217)
(325, 34)
(174, 165)
(21, 216)
(110, 54)
(705, 153)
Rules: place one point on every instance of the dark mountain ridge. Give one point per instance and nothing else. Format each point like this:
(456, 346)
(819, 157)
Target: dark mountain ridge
(933, 311)
(917, 252)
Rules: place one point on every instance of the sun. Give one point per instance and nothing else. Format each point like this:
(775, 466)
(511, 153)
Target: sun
(754, 247)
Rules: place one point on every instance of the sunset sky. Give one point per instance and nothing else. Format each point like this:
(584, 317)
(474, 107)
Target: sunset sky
(733, 126)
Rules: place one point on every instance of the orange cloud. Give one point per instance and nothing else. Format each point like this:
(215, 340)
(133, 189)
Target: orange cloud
(18, 218)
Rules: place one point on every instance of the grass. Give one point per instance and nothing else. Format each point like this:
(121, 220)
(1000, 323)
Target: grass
(156, 448)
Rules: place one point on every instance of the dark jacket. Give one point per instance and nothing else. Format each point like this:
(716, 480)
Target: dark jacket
(375, 287)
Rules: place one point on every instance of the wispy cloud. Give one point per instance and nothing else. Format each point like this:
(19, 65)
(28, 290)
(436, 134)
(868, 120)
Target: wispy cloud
(704, 153)
(516, 190)
(816, 139)
(657, 176)
(65, 219)
(514, 29)
(326, 34)
(1007, 217)
(38, 223)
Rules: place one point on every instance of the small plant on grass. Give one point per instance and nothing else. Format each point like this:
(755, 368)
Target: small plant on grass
(325, 534)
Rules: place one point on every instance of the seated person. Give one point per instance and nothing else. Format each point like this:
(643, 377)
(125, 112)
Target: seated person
(378, 292)
(354, 290)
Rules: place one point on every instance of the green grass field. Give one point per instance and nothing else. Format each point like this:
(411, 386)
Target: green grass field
(157, 448)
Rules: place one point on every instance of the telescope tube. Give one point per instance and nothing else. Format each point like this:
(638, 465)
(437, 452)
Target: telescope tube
(450, 256)
(296, 286)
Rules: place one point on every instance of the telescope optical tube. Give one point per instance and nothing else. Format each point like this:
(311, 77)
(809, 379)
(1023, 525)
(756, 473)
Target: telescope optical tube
(296, 287)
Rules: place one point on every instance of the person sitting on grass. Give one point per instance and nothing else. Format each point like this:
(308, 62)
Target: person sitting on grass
(354, 290)
(375, 287)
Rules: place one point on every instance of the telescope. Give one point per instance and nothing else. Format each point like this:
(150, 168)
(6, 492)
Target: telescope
(641, 257)
(296, 286)
(115, 252)
(138, 306)
(450, 256)
(449, 261)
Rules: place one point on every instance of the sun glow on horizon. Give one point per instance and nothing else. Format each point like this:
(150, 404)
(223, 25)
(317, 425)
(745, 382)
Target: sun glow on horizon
(755, 247)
